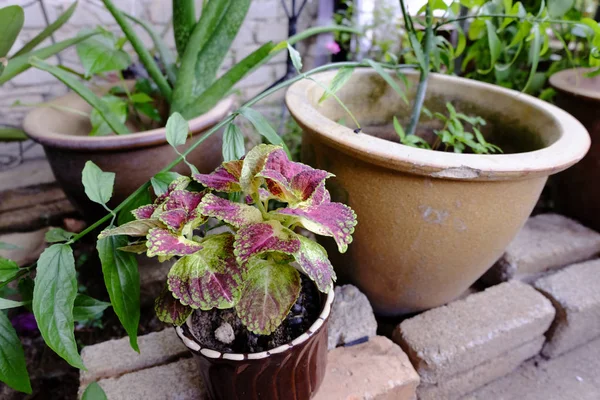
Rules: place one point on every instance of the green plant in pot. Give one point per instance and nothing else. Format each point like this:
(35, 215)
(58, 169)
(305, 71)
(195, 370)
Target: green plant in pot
(126, 120)
(448, 214)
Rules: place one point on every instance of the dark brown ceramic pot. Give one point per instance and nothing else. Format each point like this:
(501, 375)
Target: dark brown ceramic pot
(135, 157)
(293, 371)
(577, 189)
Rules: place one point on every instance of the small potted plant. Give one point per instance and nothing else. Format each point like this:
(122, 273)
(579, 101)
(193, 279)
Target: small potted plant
(249, 297)
(444, 171)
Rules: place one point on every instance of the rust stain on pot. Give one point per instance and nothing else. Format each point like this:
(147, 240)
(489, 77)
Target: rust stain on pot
(462, 172)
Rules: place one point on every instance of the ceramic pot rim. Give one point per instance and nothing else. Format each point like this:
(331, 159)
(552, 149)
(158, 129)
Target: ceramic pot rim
(569, 148)
(33, 126)
(192, 344)
(560, 81)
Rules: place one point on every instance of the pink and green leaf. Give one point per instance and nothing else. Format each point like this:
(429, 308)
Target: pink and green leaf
(162, 242)
(178, 184)
(328, 219)
(305, 183)
(255, 239)
(236, 214)
(144, 212)
(170, 310)
(225, 178)
(183, 199)
(135, 228)
(267, 296)
(174, 219)
(313, 260)
(254, 162)
(209, 278)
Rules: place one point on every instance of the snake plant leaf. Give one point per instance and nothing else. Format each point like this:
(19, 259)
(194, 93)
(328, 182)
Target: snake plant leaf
(162, 242)
(11, 22)
(236, 214)
(170, 310)
(184, 21)
(13, 367)
(328, 219)
(313, 260)
(210, 277)
(255, 239)
(226, 178)
(268, 294)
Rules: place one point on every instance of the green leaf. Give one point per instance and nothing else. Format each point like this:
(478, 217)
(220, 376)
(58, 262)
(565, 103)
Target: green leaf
(8, 269)
(98, 185)
(94, 392)
(86, 94)
(122, 280)
(117, 107)
(136, 228)
(296, 58)
(339, 80)
(141, 98)
(268, 295)
(177, 130)
(534, 54)
(11, 22)
(215, 92)
(53, 299)
(495, 47)
(418, 50)
(184, 21)
(149, 110)
(6, 304)
(399, 130)
(233, 143)
(160, 182)
(87, 308)
(558, 8)
(13, 369)
(100, 54)
(55, 235)
(48, 31)
(139, 200)
(462, 42)
(263, 127)
(387, 77)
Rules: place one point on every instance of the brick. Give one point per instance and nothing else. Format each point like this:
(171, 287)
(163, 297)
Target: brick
(116, 357)
(575, 294)
(546, 242)
(377, 370)
(351, 317)
(451, 339)
(466, 382)
(572, 376)
(179, 380)
(30, 246)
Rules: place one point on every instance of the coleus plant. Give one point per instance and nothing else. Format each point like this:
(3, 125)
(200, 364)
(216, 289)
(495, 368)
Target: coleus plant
(254, 267)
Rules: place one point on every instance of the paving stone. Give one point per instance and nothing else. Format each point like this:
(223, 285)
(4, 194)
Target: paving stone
(546, 242)
(575, 293)
(572, 376)
(351, 317)
(466, 382)
(179, 380)
(30, 246)
(376, 370)
(116, 357)
(36, 216)
(32, 172)
(451, 339)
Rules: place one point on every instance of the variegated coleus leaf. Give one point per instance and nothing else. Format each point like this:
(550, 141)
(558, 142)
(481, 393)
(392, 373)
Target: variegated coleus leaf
(144, 212)
(314, 262)
(328, 219)
(180, 211)
(135, 228)
(225, 178)
(137, 248)
(209, 278)
(268, 294)
(178, 184)
(254, 162)
(255, 239)
(170, 310)
(236, 214)
(162, 242)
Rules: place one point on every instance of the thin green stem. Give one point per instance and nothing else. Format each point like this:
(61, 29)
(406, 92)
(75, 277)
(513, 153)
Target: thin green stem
(534, 19)
(423, 78)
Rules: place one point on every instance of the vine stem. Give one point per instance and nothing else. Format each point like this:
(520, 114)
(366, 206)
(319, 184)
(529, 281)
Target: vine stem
(224, 122)
(535, 19)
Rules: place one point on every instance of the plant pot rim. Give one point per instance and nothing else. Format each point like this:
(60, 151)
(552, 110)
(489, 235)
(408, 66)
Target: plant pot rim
(192, 344)
(569, 148)
(33, 125)
(563, 82)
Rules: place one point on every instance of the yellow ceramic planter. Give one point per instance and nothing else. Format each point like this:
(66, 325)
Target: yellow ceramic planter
(430, 223)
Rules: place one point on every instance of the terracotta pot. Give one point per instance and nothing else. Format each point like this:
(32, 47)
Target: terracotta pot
(577, 191)
(135, 157)
(430, 223)
(293, 371)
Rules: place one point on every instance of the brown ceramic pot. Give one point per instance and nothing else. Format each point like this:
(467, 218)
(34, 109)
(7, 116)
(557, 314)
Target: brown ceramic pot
(293, 371)
(430, 223)
(578, 189)
(135, 157)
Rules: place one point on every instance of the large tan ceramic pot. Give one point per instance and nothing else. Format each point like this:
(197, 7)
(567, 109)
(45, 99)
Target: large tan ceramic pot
(430, 223)
(135, 157)
(578, 189)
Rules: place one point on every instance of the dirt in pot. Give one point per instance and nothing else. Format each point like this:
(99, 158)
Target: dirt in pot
(223, 331)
